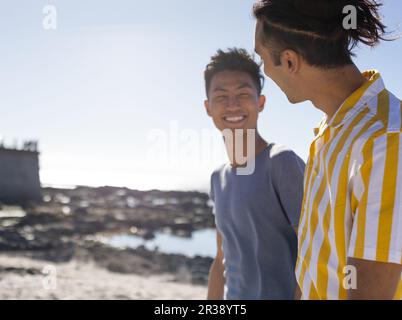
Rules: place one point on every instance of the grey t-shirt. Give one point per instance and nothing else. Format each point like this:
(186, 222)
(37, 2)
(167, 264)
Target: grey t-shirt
(256, 215)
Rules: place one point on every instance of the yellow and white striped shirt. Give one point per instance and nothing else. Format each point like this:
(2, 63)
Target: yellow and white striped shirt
(352, 204)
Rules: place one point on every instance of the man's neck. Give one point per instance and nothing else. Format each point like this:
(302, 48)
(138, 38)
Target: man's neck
(244, 148)
(331, 88)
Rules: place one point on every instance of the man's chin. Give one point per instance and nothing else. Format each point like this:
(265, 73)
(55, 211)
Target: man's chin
(295, 100)
(233, 129)
(238, 129)
(235, 126)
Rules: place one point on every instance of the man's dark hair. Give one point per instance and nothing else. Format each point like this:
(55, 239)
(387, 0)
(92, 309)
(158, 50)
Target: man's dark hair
(315, 30)
(234, 59)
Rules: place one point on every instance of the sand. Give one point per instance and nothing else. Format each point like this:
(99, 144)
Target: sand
(25, 278)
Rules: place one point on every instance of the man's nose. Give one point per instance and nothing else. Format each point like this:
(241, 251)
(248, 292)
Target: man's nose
(233, 103)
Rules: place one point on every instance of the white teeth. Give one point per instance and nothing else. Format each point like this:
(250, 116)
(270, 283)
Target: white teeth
(235, 119)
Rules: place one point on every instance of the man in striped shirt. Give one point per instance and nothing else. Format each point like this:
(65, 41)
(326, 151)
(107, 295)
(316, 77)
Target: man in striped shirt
(350, 230)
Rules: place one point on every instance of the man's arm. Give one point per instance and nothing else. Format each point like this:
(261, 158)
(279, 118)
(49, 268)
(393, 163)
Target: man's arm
(375, 280)
(298, 293)
(216, 281)
(288, 174)
(375, 190)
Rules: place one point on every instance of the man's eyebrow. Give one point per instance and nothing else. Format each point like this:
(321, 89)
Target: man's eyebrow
(219, 89)
(245, 85)
(241, 86)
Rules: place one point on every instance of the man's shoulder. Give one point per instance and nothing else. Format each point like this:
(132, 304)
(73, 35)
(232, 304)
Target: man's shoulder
(387, 123)
(281, 154)
(218, 171)
(387, 111)
(278, 150)
(394, 121)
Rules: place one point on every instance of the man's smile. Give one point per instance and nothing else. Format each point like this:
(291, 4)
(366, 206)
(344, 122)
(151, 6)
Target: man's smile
(234, 119)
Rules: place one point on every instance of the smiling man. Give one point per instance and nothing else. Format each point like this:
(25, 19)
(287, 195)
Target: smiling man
(256, 214)
(350, 230)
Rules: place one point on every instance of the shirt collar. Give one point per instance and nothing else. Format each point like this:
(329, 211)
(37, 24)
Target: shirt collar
(354, 103)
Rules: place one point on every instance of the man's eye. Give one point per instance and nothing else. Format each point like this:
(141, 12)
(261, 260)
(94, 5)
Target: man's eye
(244, 95)
(220, 98)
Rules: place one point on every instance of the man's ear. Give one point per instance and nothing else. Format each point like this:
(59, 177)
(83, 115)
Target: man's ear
(261, 103)
(206, 105)
(291, 60)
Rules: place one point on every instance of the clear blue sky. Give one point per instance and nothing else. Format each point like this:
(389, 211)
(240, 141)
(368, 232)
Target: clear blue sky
(93, 90)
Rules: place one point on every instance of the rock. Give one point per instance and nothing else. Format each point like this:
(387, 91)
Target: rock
(56, 230)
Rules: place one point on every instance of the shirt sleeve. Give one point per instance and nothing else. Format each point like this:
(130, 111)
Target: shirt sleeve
(288, 173)
(376, 200)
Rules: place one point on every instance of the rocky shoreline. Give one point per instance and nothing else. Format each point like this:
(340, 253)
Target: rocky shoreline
(66, 225)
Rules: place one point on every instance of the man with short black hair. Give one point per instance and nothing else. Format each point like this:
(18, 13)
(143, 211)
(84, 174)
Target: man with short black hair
(256, 210)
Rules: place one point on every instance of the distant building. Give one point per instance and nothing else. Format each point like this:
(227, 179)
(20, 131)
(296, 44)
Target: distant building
(19, 174)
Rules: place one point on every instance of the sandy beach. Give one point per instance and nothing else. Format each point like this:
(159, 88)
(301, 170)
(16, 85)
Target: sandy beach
(25, 278)
(59, 249)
